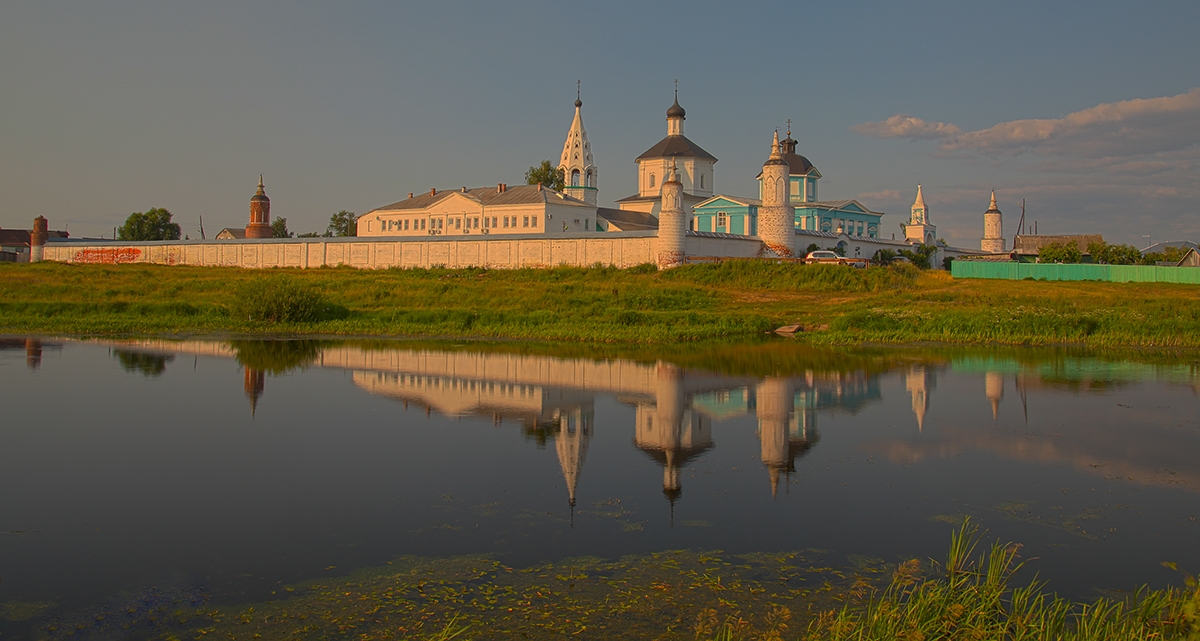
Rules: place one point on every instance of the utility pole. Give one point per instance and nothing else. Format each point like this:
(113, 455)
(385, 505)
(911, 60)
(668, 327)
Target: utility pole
(202, 228)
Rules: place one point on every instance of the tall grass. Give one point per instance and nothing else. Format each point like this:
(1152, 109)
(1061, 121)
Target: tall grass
(735, 300)
(971, 596)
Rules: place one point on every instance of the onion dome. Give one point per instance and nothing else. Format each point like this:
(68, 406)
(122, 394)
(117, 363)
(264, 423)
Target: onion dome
(675, 111)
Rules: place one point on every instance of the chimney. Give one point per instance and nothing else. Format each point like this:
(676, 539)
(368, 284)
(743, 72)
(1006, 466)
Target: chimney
(433, 191)
(539, 186)
(410, 194)
(464, 190)
(501, 188)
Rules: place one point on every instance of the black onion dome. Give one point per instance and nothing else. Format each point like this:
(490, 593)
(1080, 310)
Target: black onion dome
(578, 103)
(675, 111)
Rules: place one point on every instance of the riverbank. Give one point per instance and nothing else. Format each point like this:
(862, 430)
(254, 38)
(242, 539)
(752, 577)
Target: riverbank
(734, 301)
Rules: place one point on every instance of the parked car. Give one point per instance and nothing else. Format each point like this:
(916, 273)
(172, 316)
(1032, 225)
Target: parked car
(824, 256)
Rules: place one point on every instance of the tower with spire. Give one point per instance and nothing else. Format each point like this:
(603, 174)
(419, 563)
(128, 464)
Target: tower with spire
(260, 214)
(777, 216)
(993, 229)
(576, 163)
(919, 229)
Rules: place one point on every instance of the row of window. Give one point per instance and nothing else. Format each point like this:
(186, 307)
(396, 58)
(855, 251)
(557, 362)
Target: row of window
(700, 187)
(456, 223)
(457, 384)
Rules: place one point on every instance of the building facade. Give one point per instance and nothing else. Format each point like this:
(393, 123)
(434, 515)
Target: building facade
(522, 209)
(695, 167)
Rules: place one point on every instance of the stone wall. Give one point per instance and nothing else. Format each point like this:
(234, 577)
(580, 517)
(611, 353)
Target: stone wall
(625, 250)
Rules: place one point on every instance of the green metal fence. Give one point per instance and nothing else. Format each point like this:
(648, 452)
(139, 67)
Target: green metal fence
(1109, 273)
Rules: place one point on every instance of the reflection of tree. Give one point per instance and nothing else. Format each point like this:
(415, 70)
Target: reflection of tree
(277, 356)
(148, 364)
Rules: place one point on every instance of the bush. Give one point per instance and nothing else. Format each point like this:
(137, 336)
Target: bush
(1060, 253)
(277, 300)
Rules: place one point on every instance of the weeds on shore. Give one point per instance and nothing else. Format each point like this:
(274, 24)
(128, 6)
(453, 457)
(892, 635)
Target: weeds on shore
(971, 597)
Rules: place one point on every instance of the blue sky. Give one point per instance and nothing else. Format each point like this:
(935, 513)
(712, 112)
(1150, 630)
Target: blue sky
(1089, 110)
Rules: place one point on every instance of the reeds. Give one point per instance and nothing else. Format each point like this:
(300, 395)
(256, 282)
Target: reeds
(971, 596)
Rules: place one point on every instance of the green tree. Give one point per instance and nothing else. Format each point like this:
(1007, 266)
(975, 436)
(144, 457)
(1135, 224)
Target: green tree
(154, 224)
(546, 175)
(1167, 255)
(1067, 252)
(919, 255)
(309, 234)
(1102, 252)
(883, 257)
(343, 223)
(279, 228)
(812, 247)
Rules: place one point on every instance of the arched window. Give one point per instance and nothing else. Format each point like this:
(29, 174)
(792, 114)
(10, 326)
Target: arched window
(651, 180)
(701, 181)
(574, 177)
(590, 179)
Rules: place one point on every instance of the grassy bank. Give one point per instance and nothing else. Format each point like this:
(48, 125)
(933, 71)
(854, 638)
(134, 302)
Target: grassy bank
(732, 301)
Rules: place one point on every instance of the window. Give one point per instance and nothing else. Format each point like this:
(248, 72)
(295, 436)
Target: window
(476, 223)
(405, 224)
(701, 181)
(651, 180)
(591, 182)
(535, 219)
(506, 222)
(485, 222)
(795, 188)
(575, 177)
(722, 219)
(524, 221)
(422, 224)
(494, 222)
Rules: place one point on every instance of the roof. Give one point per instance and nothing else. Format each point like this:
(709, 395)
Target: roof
(628, 219)
(1176, 244)
(676, 146)
(232, 232)
(836, 204)
(687, 198)
(488, 196)
(748, 202)
(20, 237)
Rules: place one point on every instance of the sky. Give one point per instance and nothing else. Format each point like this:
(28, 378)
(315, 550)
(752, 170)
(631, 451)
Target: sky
(1090, 111)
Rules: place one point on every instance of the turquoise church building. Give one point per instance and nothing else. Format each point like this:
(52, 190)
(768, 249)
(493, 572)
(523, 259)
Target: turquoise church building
(736, 215)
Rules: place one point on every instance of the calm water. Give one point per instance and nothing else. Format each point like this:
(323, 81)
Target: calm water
(230, 469)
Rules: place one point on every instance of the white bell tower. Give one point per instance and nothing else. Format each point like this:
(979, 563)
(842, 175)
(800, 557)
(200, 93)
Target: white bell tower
(580, 173)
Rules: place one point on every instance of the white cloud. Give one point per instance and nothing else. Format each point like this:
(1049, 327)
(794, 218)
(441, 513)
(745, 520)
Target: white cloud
(1125, 128)
(911, 127)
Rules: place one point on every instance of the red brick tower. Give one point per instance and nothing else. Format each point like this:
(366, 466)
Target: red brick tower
(260, 214)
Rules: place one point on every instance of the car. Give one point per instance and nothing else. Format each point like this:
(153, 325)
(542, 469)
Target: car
(832, 258)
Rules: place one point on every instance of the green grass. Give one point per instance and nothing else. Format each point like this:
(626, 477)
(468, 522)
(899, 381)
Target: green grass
(736, 300)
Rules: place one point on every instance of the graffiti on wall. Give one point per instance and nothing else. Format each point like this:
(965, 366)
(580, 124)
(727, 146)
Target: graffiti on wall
(112, 256)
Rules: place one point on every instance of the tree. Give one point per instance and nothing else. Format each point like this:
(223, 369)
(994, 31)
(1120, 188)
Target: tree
(812, 247)
(1067, 252)
(546, 175)
(279, 228)
(155, 224)
(1167, 255)
(309, 234)
(1102, 252)
(343, 223)
(883, 256)
(919, 255)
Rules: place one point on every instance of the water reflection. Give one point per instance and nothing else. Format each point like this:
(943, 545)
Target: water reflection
(257, 462)
(554, 399)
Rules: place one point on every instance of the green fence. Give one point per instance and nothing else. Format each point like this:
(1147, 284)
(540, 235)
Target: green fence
(1110, 273)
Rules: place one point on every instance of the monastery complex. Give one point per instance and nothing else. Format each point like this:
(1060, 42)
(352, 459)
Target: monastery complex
(674, 216)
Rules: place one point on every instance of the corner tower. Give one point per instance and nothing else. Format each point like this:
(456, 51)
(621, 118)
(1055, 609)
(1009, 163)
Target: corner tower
(580, 172)
(776, 215)
(260, 214)
(670, 244)
(993, 229)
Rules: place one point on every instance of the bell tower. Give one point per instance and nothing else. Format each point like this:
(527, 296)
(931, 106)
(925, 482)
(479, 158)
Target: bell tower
(579, 171)
(919, 229)
(260, 214)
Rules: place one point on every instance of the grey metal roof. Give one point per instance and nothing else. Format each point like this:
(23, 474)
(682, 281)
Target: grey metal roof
(488, 196)
(676, 146)
(687, 198)
(627, 220)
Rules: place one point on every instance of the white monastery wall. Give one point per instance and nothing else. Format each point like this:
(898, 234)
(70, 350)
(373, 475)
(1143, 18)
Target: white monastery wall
(502, 252)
